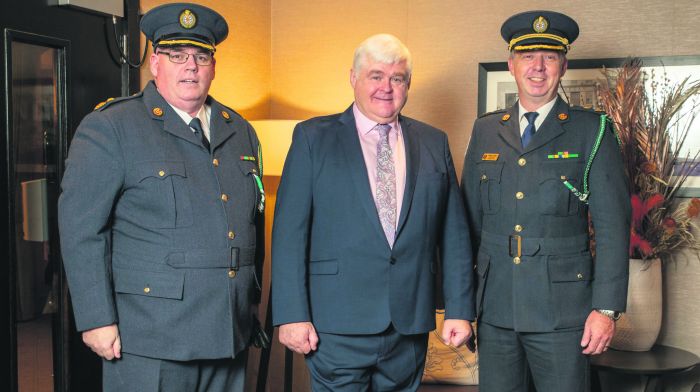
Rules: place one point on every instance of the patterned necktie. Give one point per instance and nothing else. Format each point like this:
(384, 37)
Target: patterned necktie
(529, 129)
(196, 124)
(386, 184)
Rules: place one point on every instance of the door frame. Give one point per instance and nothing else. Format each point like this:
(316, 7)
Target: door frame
(61, 323)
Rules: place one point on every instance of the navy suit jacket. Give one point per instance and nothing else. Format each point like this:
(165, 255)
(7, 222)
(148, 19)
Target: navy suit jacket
(332, 264)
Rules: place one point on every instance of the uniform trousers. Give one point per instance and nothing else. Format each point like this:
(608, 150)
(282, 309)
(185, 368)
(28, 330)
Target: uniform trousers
(507, 360)
(134, 373)
(387, 361)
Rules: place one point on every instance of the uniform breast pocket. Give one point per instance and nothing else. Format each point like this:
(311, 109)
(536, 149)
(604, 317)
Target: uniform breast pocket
(490, 186)
(160, 198)
(555, 198)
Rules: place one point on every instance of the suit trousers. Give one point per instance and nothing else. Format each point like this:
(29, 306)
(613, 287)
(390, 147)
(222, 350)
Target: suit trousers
(507, 360)
(387, 361)
(134, 373)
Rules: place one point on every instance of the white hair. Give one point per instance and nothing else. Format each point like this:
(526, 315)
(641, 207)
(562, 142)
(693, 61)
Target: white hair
(383, 48)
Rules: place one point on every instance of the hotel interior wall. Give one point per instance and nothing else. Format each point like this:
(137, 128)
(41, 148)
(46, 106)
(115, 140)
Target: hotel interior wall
(289, 59)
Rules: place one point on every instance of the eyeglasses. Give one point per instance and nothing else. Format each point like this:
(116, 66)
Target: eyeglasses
(203, 59)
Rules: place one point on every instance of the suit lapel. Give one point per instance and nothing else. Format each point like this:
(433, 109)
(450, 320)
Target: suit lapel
(160, 110)
(220, 123)
(510, 129)
(350, 145)
(551, 127)
(412, 146)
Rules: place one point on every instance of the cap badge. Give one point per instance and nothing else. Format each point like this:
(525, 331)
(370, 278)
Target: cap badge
(540, 24)
(158, 111)
(188, 19)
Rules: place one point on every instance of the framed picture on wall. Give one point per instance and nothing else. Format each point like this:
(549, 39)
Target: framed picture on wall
(497, 90)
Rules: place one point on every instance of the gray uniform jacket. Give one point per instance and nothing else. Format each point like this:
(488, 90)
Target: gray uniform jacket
(159, 235)
(547, 280)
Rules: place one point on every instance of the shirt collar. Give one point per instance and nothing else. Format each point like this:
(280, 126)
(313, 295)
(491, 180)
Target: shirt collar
(542, 111)
(202, 115)
(365, 125)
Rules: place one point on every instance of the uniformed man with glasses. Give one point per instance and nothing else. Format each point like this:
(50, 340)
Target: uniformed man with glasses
(161, 221)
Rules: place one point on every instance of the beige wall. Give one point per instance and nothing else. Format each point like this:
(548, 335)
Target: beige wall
(289, 59)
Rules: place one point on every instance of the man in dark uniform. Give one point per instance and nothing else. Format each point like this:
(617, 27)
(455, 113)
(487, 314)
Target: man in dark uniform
(161, 221)
(532, 176)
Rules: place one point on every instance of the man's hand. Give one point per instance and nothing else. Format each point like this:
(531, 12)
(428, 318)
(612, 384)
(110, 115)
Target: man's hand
(104, 341)
(299, 337)
(597, 333)
(456, 332)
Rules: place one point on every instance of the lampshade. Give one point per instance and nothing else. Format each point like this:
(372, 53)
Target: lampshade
(275, 138)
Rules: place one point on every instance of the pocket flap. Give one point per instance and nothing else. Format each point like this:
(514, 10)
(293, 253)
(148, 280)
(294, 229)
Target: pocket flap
(571, 270)
(490, 171)
(160, 169)
(149, 283)
(325, 267)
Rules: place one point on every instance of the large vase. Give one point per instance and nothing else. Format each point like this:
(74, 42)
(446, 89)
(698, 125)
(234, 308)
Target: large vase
(639, 326)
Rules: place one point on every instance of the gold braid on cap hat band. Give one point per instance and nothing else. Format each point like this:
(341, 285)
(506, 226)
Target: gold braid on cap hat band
(539, 46)
(187, 42)
(538, 35)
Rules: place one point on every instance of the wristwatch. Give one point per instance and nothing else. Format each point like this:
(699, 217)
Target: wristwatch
(611, 314)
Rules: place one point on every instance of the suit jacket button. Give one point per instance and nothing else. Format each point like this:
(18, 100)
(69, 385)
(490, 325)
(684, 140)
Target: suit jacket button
(231, 274)
(516, 260)
(392, 260)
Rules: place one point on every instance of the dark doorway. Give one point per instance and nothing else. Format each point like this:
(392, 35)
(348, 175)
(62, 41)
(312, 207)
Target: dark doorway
(58, 63)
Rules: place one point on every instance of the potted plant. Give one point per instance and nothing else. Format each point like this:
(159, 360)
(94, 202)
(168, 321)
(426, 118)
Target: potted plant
(652, 117)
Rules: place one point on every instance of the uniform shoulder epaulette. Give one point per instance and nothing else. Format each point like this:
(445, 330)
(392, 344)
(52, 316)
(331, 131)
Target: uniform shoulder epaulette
(499, 111)
(110, 101)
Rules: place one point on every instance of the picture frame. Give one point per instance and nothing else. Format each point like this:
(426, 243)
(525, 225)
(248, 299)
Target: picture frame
(497, 90)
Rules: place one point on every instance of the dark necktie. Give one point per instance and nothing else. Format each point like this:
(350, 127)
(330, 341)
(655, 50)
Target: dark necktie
(529, 129)
(385, 197)
(196, 124)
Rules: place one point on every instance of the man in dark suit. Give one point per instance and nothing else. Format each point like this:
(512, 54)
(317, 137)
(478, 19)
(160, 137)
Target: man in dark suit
(532, 176)
(368, 211)
(161, 221)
